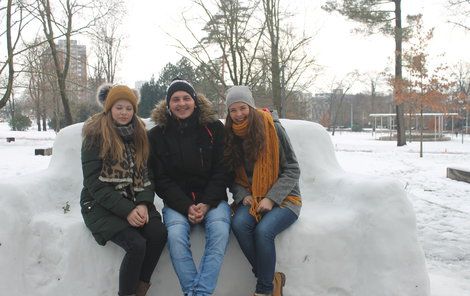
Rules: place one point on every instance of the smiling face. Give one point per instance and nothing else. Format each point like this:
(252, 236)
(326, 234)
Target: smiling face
(182, 104)
(122, 112)
(239, 112)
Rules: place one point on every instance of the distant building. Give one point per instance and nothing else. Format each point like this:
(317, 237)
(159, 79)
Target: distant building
(77, 75)
(348, 109)
(300, 105)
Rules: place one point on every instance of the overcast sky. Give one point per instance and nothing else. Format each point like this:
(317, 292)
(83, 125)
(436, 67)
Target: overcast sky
(152, 25)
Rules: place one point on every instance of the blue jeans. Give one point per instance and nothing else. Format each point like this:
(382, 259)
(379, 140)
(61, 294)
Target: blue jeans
(217, 229)
(257, 241)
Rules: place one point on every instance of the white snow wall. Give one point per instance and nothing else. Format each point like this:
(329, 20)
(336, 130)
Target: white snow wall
(356, 234)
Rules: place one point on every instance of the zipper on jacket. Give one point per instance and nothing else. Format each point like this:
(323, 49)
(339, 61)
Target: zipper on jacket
(202, 157)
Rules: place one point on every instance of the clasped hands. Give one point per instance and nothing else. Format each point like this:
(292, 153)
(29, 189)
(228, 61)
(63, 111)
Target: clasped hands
(265, 205)
(139, 216)
(196, 213)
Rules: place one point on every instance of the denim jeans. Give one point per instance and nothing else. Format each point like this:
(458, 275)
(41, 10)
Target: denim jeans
(257, 241)
(201, 281)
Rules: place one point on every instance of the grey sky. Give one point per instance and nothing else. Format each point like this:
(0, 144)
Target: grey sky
(150, 25)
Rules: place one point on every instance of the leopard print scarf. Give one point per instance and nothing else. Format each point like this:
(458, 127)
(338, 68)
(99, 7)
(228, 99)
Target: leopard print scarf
(124, 174)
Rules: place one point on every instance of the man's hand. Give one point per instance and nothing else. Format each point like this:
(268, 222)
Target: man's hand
(194, 216)
(196, 213)
(203, 209)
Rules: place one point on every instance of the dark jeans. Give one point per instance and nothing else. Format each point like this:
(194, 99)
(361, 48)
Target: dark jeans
(257, 241)
(143, 248)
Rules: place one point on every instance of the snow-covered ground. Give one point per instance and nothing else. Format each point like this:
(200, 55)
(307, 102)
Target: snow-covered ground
(17, 158)
(442, 205)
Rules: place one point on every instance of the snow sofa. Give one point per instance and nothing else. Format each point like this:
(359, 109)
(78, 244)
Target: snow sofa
(356, 235)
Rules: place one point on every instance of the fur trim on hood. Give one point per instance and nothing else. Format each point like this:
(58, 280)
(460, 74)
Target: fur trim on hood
(207, 113)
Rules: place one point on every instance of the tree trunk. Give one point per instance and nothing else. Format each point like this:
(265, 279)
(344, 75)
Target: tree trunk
(372, 92)
(11, 71)
(44, 122)
(271, 12)
(421, 123)
(337, 112)
(276, 82)
(401, 137)
(61, 70)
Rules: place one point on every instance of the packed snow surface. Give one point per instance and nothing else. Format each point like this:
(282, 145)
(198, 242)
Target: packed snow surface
(362, 230)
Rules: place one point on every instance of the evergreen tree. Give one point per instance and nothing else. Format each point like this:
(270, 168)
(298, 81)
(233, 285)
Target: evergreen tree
(150, 94)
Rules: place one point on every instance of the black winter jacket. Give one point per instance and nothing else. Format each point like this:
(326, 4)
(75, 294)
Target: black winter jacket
(103, 208)
(186, 158)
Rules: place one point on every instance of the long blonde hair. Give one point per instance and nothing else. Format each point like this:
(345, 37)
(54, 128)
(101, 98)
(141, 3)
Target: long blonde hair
(99, 130)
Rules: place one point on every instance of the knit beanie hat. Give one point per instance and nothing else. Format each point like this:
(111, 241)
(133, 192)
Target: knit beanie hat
(179, 84)
(239, 93)
(109, 94)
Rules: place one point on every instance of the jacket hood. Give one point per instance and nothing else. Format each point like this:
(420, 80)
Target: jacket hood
(206, 113)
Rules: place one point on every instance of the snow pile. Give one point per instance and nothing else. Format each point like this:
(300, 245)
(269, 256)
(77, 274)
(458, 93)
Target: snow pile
(356, 234)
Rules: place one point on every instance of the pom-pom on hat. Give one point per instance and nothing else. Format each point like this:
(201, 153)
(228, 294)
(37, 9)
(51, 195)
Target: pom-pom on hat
(239, 93)
(180, 84)
(109, 94)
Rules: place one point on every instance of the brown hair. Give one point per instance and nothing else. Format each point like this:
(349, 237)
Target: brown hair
(237, 150)
(99, 130)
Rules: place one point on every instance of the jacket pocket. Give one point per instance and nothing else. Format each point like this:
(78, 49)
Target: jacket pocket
(205, 157)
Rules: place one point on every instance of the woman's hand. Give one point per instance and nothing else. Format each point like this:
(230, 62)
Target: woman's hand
(144, 212)
(135, 219)
(265, 205)
(247, 200)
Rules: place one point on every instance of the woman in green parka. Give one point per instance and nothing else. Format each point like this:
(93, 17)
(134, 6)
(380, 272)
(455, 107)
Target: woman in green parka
(117, 196)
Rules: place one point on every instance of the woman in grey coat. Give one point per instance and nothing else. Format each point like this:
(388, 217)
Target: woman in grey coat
(266, 185)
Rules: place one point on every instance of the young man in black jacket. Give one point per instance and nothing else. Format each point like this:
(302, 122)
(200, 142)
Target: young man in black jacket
(186, 158)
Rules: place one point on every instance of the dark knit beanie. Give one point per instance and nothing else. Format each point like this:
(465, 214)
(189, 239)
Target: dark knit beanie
(109, 94)
(180, 84)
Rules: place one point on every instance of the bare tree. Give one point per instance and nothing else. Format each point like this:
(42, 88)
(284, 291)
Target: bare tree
(107, 40)
(38, 85)
(461, 98)
(373, 80)
(461, 12)
(287, 59)
(231, 44)
(66, 19)
(338, 93)
(15, 22)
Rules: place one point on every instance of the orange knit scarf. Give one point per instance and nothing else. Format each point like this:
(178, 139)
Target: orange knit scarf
(266, 168)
